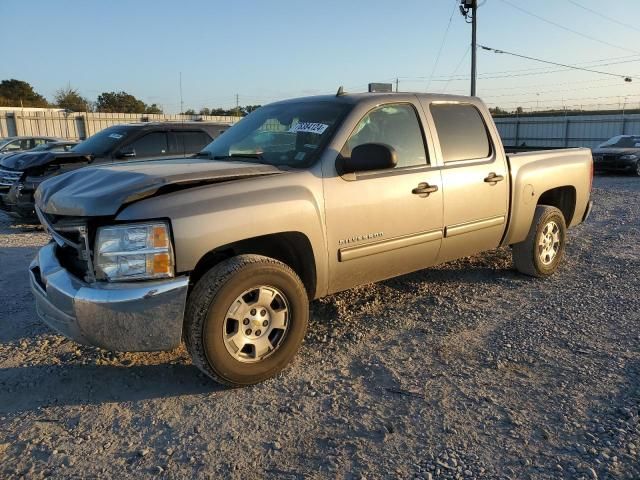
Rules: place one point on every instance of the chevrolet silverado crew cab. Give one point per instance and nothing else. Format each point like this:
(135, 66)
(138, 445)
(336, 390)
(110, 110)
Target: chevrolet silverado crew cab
(300, 199)
(21, 175)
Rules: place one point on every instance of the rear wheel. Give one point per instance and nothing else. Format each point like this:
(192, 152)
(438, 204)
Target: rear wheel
(637, 169)
(245, 319)
(541, 252)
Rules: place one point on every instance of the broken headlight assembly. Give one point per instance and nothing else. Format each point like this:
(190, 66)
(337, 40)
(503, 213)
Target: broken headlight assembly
(134, 252)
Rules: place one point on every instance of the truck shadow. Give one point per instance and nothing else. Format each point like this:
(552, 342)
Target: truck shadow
(30, 388)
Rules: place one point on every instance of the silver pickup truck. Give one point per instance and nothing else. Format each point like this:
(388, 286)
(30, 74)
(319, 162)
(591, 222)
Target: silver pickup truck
(301, 199)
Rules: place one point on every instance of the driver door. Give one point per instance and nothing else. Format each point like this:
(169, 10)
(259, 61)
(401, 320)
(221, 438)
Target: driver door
(378, 223)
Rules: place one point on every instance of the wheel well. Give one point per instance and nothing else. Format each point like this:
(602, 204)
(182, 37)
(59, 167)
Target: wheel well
(563, 198)
(291, 248)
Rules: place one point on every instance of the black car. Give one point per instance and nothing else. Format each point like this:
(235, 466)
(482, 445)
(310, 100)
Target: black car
(618, 154)
(20, 175)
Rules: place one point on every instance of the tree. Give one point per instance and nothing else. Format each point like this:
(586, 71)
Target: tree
(191, 111)
(17, 93)
(69, 98)
(498, 111)
(119, 102)
(153, 108)
(519, 110)
(205, 111)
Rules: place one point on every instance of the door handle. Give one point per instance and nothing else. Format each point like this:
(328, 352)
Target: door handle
(424, 189)
(493, 178)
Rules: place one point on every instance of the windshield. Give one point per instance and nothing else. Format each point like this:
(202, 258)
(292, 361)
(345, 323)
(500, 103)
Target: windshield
(621, 141)
(102, 142)
(291, 134)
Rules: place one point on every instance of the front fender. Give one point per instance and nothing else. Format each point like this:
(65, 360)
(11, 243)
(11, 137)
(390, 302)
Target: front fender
(207, 217)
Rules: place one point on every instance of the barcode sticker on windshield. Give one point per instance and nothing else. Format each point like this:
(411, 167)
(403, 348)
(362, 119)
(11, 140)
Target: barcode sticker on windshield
(308, 127)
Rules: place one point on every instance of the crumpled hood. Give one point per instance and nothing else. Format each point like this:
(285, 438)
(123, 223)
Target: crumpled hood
(102, 190)
(25, 160)
(6, 156)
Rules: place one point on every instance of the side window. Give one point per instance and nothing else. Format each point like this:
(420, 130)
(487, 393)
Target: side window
(396, 125)
(150, 145)
(191, 142)
(13, 146)
(40, 141)
(462, 132)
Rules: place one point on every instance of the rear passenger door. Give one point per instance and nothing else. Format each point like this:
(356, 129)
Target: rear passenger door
(185, 143)
(474, 178)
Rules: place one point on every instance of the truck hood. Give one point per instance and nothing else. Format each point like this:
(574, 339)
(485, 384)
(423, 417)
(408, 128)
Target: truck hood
(103, 190)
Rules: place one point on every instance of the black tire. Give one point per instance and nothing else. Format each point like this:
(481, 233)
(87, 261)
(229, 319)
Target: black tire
(637, 169)
(206, 312)
(526, 254)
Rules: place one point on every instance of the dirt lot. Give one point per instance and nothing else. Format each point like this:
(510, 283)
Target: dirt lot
(468, 370)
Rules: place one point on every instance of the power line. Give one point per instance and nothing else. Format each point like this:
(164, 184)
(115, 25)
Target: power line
(551, 22)
(446, 85)
(444, 38)
(602, 15)
(627, 78)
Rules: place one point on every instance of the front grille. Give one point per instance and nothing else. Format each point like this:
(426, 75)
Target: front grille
(71, 235)
(9, 177)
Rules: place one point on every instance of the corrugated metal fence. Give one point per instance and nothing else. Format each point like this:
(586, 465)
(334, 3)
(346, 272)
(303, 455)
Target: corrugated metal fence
(80, 125)
(565, 131)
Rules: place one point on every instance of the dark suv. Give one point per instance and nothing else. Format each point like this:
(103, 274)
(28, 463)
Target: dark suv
(21, 175)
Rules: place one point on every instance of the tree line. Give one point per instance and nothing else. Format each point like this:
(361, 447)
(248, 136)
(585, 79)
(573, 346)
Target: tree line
(18, 93)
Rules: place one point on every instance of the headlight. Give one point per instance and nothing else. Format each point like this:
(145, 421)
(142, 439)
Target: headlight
(629, 157)
(134, 252)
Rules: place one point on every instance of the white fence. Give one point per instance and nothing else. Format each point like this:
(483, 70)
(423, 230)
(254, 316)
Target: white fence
(80, 125)
(565, 130)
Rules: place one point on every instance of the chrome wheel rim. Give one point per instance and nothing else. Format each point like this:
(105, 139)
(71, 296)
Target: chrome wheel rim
(549, 243)
(256, 324)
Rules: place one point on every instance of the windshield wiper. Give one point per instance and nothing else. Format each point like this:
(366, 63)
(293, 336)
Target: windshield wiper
(256, 156)
(202, 155)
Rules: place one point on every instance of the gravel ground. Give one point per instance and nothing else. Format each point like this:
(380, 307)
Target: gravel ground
(467, 370)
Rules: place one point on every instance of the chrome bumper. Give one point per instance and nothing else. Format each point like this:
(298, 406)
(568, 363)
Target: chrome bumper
(129, 317)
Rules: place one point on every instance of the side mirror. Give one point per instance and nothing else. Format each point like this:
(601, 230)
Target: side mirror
(126, 153)
(370, 156)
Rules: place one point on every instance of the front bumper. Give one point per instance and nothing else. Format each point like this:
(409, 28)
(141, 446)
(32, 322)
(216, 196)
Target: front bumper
(614, 165)
(127, 317)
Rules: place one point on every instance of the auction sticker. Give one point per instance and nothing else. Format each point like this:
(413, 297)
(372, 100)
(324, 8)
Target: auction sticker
(308, 127)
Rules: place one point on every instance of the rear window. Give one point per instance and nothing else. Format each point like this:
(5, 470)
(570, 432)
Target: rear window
(462, 132)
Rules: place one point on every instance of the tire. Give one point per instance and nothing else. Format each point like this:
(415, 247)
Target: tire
(637, 169)
(541, 252)
(263, 291)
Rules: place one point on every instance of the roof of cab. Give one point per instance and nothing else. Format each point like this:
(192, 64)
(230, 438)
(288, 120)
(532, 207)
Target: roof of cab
(354, 98)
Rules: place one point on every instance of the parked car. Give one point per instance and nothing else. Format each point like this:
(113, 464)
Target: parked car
(618, 154)
(140, 141)
(9, 177)
(227, 248)
(21, 144)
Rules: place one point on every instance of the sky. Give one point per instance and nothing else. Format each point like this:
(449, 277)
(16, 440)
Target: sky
(263, 50)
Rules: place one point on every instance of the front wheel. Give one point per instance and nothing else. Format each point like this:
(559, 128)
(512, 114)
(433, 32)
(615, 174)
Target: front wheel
(637, 169)
(541, 252)
(245, 319)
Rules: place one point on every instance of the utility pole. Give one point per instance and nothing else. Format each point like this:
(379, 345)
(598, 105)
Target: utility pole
(181, 102)
(469, 9)
(397, 82)
(237, 105)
